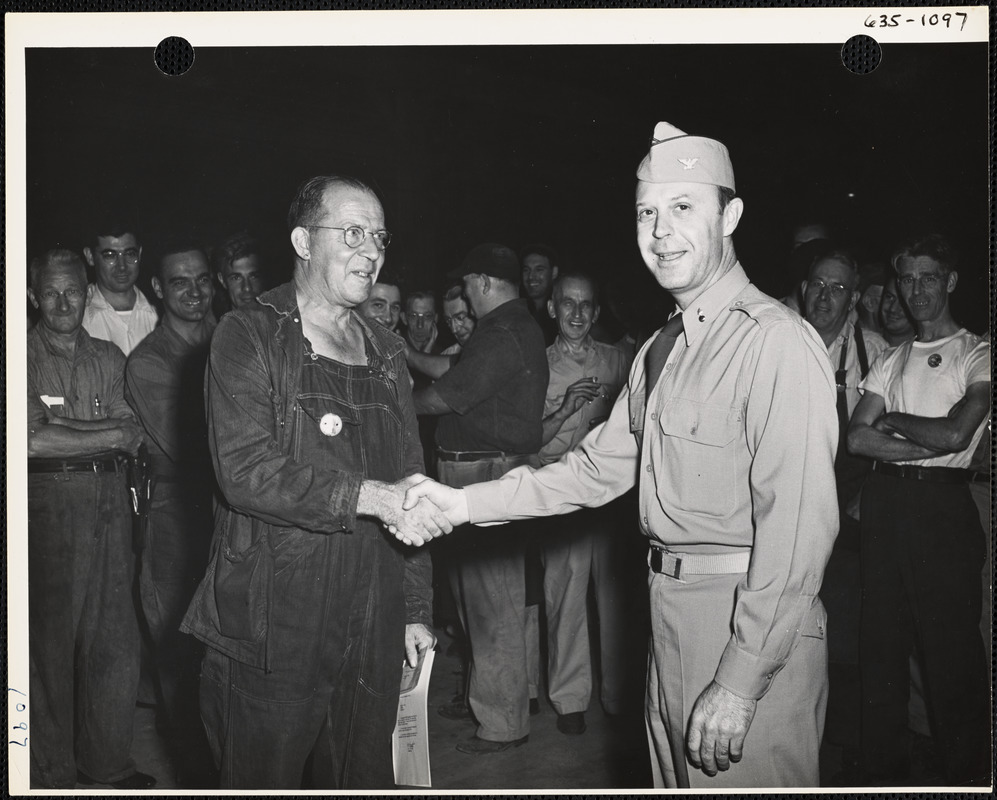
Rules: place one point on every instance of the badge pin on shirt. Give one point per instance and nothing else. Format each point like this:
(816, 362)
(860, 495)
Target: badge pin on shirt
(330, 424)
(934, 360)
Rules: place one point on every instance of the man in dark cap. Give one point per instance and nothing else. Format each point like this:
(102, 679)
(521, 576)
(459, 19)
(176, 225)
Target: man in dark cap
(490, 406)
(728, 427)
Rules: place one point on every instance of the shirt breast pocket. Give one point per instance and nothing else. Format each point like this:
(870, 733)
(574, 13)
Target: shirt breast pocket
(327, 434)
(700, 448)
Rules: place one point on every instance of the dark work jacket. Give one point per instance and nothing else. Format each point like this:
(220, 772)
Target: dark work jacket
(251, 393)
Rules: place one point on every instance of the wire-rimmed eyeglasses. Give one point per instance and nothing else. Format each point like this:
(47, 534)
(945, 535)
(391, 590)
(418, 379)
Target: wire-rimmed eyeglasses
(354, 235)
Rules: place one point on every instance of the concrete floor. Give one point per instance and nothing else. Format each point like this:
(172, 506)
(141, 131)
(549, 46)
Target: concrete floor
(611, 754)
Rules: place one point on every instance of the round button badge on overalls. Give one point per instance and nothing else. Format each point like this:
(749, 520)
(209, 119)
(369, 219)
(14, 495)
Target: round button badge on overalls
(330, 424)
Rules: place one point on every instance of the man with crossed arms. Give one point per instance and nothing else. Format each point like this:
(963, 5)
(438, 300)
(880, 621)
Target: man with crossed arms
(732, 444)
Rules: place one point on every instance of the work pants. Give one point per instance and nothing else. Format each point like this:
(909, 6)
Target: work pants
(336, 637)
(690, 628)
(83, 627)
(174, 557)
(922, 552)
(489, 585)
(576, 549)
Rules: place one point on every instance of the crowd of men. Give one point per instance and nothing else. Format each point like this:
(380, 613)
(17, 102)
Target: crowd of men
(809, 486)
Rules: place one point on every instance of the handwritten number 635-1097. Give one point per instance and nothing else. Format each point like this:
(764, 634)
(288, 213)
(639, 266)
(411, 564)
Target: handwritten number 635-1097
(926, 20)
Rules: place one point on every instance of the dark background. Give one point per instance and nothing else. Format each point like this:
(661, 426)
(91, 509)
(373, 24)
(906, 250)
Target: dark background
(515, 144)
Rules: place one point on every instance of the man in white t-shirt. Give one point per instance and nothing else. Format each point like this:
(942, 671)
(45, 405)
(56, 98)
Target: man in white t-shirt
(923, 411)
(116, 309)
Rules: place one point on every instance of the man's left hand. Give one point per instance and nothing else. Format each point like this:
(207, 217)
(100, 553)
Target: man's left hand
(720, 719)
(418, 639)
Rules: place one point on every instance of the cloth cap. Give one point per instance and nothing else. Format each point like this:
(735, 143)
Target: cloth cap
(494, 260)
(675, 156)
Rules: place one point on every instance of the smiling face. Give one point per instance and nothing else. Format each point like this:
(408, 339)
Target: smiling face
(457, 315)
(925, 287)
(243, 280)
(60, 296)
(538, 275)
(337, 274)
(184, 286)
(573, 306)
(829, 293)
(384, 305)
(681, 232)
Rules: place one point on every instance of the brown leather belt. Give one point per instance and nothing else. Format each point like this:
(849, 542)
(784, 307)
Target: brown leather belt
(913, 472)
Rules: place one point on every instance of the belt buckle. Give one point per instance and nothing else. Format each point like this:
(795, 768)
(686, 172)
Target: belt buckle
(665, 563)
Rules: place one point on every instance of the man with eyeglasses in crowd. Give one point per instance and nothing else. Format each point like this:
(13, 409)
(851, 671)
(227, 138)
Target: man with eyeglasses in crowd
(116, 309)
(84, 634)
(309, 607)
(420, 321)
(924, 409)
(830, 294)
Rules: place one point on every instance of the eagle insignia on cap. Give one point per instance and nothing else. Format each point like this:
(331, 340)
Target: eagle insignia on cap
(688, 163)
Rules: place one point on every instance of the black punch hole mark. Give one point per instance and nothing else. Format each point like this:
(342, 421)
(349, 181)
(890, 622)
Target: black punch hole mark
(174, 56)
(861, 54)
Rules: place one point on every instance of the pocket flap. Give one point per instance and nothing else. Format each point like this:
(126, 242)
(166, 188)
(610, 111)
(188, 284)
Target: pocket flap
(317, 406)
(707, 424)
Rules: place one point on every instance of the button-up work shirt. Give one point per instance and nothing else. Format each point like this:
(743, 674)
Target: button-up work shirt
(126, 330)
(874, 345)
(164, 383)
(603, 361)
(87, 386)
(733, 449)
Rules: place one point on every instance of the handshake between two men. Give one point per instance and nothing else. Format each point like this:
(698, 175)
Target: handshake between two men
(414, 510)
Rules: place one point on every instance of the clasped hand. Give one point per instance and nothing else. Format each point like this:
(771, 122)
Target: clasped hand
(417, 510)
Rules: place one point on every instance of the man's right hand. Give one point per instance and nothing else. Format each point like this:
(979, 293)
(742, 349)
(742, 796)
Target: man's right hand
(414, 525)
(582, 391)
(451, 502)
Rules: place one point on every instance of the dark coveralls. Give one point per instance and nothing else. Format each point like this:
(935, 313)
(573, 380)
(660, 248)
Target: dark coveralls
(304, 605)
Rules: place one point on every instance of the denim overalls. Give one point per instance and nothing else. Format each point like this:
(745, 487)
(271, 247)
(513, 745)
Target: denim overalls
(337, 618)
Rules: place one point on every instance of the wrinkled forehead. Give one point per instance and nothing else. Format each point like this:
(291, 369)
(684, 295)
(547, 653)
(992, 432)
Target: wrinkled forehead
(347, 204)
(834, 269)
(421, 304)
(578, 289)
(61, 274)
(920, 265)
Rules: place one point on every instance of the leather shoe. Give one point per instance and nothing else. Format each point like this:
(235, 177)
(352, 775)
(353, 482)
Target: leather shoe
(572, 724)
(137, 780)
(480, 747)
(455, 709)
